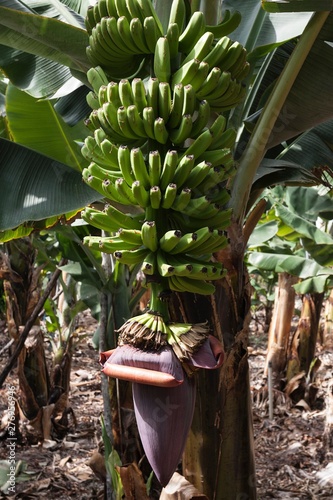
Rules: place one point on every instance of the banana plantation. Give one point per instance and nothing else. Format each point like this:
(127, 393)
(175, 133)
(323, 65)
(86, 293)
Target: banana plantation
(166, 249)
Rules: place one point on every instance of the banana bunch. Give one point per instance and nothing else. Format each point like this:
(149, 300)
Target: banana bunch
(160, 143)
(121, 35)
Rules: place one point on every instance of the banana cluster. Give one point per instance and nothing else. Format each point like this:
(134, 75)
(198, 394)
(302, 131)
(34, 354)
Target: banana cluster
(121, 35)
(124, 34)
(161, 143)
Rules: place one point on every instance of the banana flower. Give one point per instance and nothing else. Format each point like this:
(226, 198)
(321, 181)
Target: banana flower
(163, 396)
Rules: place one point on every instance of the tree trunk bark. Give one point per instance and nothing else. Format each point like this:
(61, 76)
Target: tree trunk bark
(279, 331)
(328, 325)
(219, 454)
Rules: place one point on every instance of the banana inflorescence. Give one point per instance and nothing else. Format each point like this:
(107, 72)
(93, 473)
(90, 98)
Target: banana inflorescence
(160, 141)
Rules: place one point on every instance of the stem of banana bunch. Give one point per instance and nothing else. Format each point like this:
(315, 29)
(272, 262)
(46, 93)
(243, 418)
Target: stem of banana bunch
(158, 284)
(158, 303)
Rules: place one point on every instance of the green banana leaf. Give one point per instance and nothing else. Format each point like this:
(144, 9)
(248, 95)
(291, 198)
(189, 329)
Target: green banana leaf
(292, 264)
(35, 124)
(259, 31)
(45, 48)
(35, 187)
(295, 5)
(302, 227)
(317, 284)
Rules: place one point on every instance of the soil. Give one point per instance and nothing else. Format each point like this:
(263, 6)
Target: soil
(292, 460)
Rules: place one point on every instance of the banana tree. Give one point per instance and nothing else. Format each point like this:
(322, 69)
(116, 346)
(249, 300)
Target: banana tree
(297, 244)
(219, 453)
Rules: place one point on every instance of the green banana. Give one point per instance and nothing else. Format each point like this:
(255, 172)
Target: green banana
(218, 52)
(138, 35)
(209, 83)
(123, 26)
(201, 208)
(169, 196)
(200, 145)
(182, 200)
(92, 152)
(92, 100)
(89, 20)
(139, 167)
(167, 268)
(96, 78)
(183, 132)
(164, 101)
(124, 161)
(99, 219)
(108, 244)
(160, 131)
(154, 167)
(149, 235)
(168, 169)
(151, 32)
(169, 240)
(172, 35)
(148, 118)
(235, 51)
(219, 195)
(134, 10)
(94, 183)
(193, 31)
(113, 193)
(202, 118)
(121, 8)
(125, 191)
(102, 173)
(108, 113)
(112, 94)
(110, 152)
(149, 264)
(222, 88)
(136, 122)
(184, 244)
(140, 194)
(186, 284)
(177, 14)
(163, 267)
(131, 236)
(216, 157)
(126, 221)
(162, 61)
(155, 197)
(198, 174)
(131, 257)
(200, 75)
(190, 100)
(202, 47)
(177, 106)
(124, 125)
(223, 140)
(228, 24)
(139, 94)
(152, 93)
(125, 92)
(185, 73)
(148, 10)
(111, 8)
(183, 169)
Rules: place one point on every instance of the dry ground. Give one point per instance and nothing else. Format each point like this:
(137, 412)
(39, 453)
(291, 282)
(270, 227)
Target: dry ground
(290, 458)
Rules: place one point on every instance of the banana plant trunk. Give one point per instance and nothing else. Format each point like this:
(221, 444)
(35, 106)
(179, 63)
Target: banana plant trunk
(219, 455)
(279, 330)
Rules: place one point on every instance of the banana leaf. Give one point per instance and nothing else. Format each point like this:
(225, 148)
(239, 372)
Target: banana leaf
(35, 124)
(37, 187)
(38, 50)
(296, 5)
